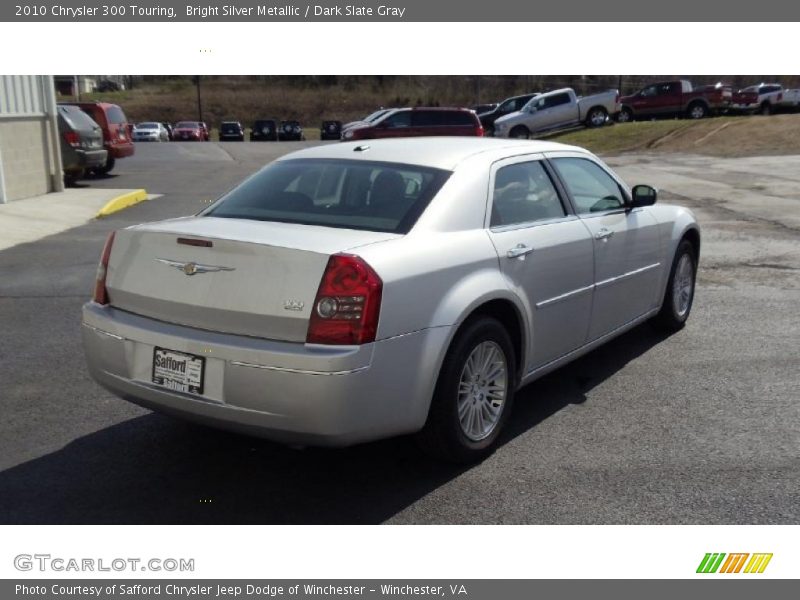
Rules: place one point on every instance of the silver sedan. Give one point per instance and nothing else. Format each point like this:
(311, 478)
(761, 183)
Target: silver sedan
(150, 132)
(345, 293)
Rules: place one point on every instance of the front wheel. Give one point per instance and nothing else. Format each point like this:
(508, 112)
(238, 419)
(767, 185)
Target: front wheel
(625, 115)
(473, 395)
(520, 132)
(679, 295)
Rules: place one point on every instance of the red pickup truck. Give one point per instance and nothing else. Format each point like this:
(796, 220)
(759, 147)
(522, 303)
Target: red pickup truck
(676, 98)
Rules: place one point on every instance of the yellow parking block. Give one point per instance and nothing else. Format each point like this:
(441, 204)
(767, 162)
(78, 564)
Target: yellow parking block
(123, 201)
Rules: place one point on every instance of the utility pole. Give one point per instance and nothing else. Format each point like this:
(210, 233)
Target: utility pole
(199, 102)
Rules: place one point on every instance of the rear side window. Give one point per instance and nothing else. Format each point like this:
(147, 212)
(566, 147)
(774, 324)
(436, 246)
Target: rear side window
(524, 193)
(349, 194)
(556, 100)
(591, 188)
(433, 118)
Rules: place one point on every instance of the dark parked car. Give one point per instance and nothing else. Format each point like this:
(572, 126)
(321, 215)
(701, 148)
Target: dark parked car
(290, 131)
(484, 108)
(412, 122)
(506, 107)
(231, 131)
(116, 130)
(190, 131)
(330, 130)
(81, 143)
(264, 130)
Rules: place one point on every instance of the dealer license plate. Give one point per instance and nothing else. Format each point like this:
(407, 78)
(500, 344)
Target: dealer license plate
(178, 371)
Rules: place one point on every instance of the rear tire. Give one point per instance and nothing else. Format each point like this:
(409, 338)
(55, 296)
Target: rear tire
(106, 168)
(474, 394)
(679, 296)
(597, 117)
(698, 110)
(625, 115)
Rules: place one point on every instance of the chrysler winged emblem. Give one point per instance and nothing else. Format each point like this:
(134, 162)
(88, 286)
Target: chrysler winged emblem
(193, 268)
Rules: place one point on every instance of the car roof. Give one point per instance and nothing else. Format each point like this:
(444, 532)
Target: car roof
(437, 152)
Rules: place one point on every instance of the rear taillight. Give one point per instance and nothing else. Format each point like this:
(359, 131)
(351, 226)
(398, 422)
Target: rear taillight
(72, 138)
(100, 292)
(780, 97)
(479, 131)
(348, 303)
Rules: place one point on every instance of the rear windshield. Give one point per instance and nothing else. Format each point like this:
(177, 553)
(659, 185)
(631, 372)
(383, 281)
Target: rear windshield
(230, 127)
(76, 118)
(187, 125)
(114, 114)
(350, 194)
(147, 126)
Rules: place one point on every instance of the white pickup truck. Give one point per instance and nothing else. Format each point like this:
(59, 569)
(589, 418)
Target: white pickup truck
(557, 110)
(765, 98)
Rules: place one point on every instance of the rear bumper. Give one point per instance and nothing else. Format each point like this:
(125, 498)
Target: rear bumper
(75, 160)
(288, 392)
(121, 150)
(93, 158)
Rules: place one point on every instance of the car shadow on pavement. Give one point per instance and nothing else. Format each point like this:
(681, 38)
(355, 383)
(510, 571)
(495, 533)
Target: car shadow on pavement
(153, 469)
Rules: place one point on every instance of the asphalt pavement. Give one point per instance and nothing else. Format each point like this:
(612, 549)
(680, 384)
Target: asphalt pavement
(699, 427)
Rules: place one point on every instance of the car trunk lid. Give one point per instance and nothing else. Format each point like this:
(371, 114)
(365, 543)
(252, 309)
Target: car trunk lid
(235, 276)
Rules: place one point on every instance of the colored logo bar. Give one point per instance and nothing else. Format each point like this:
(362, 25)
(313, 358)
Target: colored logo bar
(716, 562)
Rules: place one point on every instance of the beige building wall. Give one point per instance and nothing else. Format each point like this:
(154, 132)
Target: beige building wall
(24, 152)
(30, 159)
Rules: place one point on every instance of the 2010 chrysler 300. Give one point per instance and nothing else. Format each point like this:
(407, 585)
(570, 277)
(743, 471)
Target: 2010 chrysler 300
(353, 292)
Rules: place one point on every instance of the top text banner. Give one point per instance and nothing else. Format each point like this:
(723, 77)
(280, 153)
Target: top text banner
(410, 11)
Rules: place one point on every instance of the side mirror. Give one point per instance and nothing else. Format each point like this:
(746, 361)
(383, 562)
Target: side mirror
(643, 195)
(531, 108)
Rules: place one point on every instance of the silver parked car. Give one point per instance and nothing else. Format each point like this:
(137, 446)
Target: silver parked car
(353, 292)
(150, 132)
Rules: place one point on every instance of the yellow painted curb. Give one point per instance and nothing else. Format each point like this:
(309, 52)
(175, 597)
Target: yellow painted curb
(124, 201)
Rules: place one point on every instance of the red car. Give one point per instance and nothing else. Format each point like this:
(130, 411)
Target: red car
(420, 121)
(114, 123)
(190, 131)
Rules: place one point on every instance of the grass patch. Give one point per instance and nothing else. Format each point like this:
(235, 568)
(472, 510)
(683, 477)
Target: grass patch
(720, 136)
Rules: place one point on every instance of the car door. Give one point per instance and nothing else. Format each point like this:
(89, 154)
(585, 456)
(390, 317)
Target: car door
(627, 267)
(545, 254)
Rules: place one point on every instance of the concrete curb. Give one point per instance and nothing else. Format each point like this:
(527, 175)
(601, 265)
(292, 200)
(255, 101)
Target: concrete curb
(120, 202)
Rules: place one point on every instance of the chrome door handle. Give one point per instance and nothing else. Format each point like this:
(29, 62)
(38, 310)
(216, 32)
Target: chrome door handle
(603, 234)
(518, 251)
